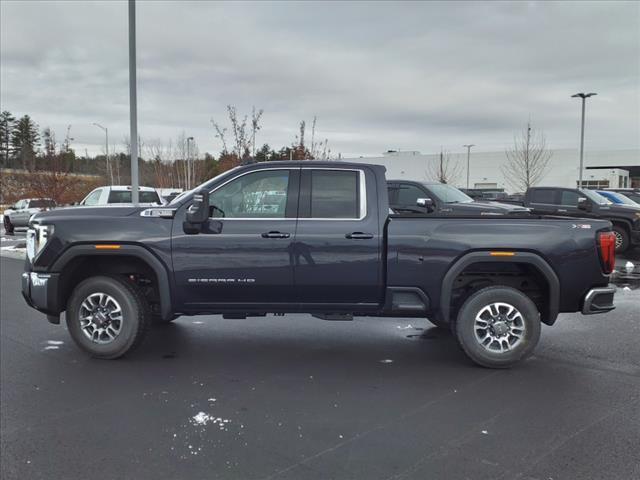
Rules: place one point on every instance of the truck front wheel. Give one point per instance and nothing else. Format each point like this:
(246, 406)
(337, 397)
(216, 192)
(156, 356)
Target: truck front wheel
(107, 316)
(498, 326)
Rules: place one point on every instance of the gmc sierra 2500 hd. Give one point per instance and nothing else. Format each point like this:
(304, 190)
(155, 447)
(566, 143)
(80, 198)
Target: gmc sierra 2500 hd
(313, 237)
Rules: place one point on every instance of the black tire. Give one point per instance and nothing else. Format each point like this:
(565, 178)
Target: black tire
(465, 328)
(135, 316)
(8, 226)
(622, 238)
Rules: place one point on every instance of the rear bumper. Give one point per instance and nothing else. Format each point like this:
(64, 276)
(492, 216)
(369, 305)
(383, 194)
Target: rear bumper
(599, 300)
(40, 291)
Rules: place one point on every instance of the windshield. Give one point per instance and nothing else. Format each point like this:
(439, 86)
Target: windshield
(595, 197)
(448, 194)
(622, 198)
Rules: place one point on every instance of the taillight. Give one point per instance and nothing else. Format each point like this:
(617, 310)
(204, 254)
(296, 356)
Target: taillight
(607, 247)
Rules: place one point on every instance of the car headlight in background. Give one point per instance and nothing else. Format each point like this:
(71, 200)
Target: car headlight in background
(37, 238)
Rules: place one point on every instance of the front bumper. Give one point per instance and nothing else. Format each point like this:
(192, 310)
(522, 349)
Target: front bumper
(599, 300)
(40, 291)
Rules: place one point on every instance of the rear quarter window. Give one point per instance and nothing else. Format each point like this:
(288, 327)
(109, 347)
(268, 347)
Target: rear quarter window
(334, 194)
(543, 196)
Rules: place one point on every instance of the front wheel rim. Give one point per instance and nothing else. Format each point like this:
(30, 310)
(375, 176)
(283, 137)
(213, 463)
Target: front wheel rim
(499, 327)
(619, 239)
(100, 317)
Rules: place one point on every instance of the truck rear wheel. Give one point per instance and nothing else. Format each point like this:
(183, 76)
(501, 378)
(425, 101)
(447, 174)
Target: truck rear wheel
(107, 316)
(498, 326)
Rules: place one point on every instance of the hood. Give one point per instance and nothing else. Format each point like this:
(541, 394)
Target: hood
(87, 212)
(620, 209)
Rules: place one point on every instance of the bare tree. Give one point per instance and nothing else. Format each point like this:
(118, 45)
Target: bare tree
(528, 160)
(444, 169)
(243, 139)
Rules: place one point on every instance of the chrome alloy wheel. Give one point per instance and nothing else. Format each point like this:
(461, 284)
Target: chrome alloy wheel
(619, 239)
(100, 318)
(499, 327)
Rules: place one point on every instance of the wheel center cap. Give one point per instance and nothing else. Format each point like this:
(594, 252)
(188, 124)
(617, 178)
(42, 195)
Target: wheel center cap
(500, 328)
(100, 318)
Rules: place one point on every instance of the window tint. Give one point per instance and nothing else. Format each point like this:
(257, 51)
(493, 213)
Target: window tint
(569, 198)
(334, 194)
(255, 195)
(543, 196)
(409, 194)
(93, 198)
(125, 197)
(42, 203)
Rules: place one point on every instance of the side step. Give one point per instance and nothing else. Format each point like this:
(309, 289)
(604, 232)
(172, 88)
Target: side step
(335, 317)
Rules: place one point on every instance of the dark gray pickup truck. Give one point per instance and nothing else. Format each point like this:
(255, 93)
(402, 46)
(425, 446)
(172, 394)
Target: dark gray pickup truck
(313, 237)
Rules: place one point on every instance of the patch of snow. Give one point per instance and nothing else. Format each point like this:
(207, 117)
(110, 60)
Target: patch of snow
(629, 266)
(626, 289)
(386, 360)
(51, 347)
(484, 432)
(211, 399)
(202, 419)
(55, 342)
(400, 327)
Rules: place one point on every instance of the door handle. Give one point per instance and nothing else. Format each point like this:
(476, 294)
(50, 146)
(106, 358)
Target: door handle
(275, 235)
(359, 236)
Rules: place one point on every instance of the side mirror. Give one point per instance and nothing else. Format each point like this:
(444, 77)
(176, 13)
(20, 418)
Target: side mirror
(198, 212)
(425, 203)
(583, 204)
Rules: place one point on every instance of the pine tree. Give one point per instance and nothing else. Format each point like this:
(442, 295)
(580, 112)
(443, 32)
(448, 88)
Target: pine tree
(7, 123)
(25, 140)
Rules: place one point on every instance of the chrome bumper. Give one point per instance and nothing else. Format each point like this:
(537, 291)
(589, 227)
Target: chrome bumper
(599, 300)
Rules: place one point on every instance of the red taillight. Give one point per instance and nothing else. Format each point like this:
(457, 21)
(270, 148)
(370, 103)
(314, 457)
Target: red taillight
(607, 246)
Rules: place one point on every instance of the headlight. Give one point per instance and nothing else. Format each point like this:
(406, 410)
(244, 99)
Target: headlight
(37, 238)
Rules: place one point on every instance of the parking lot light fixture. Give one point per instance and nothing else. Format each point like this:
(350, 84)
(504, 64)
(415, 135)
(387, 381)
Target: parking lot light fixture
(584, 97)
(106, 147)
(468, 147)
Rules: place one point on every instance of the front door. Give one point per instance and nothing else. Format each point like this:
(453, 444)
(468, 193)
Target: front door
(241, 260)
(337, 252)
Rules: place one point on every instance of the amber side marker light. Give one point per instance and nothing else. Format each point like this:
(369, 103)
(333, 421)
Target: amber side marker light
(502, 254)
(107, 247)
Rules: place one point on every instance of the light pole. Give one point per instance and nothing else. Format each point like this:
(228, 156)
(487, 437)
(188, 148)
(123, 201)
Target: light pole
(133, 103)
(468, 147)
(189, 166)
(106, 149)
(584, 97)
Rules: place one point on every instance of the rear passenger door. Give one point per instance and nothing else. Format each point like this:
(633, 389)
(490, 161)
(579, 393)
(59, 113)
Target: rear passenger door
(543, 201)
(337, 249)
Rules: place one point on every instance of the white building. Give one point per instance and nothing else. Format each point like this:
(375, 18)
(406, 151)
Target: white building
(610, 168)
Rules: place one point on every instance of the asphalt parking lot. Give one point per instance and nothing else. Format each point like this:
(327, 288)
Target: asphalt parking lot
(295, 397)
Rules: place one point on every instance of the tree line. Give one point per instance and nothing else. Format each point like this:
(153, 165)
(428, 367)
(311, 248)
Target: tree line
(163, 163)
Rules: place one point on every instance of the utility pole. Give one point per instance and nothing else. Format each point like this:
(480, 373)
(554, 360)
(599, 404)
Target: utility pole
(189, 164)
(106, 149)
(468, 147)
(133, 103)
(584, 97)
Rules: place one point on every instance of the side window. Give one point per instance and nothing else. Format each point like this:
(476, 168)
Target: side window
(543, 195)
(261, 194)
(409, 194)
(335, 194)
(20, 205)
(569, 197)
(93, 198)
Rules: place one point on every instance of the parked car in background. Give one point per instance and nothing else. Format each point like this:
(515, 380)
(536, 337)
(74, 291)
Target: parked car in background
(617, 198)
(442, 199)
(20, 213)
(582, 203)
(632, 193)
(121, 194)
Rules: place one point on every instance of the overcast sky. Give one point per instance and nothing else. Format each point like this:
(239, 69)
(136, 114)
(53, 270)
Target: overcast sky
(411, 76)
